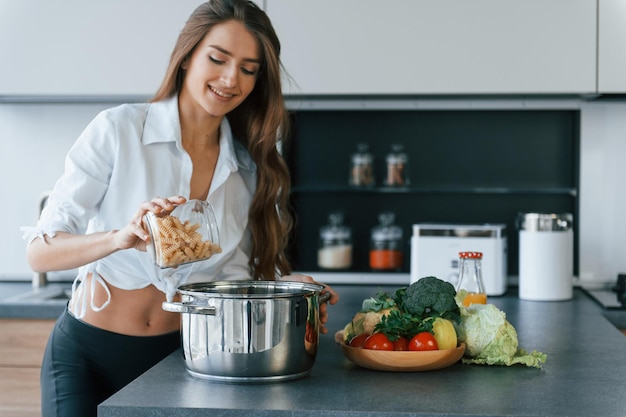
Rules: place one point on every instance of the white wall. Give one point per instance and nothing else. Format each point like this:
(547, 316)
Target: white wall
(87, 48)
(34, 140)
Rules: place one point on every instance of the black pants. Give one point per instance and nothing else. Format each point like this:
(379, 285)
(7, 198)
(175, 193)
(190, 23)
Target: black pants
(84, 365)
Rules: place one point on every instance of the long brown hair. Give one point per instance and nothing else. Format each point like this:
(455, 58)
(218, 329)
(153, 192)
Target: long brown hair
(259, 122)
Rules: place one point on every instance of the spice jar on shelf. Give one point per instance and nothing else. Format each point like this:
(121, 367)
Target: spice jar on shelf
(362, 167)
(471, 278)
(397, 167)
(335, 244)
(386, 247)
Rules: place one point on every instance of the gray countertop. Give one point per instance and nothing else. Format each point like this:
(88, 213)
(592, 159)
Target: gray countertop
(585, 375)
(21, 300)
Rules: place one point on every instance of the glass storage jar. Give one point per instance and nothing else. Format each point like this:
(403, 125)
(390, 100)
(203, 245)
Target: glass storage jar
(187, 234)
(397, 167)
(386, 246)
(362, 168)
(335, 244)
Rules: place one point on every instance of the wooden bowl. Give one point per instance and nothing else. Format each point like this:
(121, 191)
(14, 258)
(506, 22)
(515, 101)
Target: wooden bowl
(400, 361)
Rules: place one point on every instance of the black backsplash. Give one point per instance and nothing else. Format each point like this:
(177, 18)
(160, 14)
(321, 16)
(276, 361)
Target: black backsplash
(476, 166)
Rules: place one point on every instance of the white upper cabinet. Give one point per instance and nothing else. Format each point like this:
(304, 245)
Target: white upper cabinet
(87, 48)
(612, 46)
(438, 46)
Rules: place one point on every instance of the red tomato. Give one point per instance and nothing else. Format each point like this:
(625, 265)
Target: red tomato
(378, 341)
(401, 344)
(359, 340)
(423, 341)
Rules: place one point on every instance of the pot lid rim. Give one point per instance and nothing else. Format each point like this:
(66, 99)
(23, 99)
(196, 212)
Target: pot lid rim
(283, 289)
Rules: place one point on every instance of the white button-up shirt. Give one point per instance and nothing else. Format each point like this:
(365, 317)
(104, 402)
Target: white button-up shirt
(132, 153)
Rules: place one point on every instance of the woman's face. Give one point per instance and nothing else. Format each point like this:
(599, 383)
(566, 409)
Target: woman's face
(222, 70)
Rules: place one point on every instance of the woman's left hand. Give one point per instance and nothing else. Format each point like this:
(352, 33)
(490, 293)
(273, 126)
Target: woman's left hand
(334, 297)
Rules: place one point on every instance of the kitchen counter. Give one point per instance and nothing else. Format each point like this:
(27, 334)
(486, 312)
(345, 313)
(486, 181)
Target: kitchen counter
(585, 375)
(20, 300)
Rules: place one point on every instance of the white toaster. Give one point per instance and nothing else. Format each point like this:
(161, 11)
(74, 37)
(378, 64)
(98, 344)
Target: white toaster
(435, 251)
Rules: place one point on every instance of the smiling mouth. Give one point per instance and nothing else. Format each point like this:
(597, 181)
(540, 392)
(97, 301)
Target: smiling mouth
(221, 93)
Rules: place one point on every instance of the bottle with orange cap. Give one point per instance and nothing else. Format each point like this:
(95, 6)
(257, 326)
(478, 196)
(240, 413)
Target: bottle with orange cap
(471, 278)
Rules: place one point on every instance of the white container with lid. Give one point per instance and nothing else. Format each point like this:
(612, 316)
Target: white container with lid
(546, 256)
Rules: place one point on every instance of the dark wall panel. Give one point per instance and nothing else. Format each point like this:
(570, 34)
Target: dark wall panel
(465, 167)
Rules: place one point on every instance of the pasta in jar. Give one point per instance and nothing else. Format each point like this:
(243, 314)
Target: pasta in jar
(187, 234)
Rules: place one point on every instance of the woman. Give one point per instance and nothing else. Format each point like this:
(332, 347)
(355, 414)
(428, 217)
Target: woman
(210, 132)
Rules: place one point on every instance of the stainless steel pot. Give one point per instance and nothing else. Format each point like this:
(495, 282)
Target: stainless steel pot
(249, 331)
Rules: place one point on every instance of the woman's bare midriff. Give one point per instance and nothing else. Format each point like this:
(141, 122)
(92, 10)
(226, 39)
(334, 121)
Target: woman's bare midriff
(130, 312)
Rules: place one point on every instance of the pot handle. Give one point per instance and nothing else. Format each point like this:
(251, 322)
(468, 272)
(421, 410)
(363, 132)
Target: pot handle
(324, 297)
(176, 307)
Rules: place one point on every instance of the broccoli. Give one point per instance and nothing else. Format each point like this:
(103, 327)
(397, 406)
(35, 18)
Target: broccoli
(427, 297)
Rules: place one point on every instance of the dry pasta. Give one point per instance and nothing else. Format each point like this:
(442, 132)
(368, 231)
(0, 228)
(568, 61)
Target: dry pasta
(179, 242)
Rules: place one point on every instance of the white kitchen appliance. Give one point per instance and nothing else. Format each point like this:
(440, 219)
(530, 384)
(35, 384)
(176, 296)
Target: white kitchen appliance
(546, 256)
(435, 251)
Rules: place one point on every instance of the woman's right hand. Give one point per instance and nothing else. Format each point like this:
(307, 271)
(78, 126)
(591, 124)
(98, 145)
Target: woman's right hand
(68, 251)
(134, 234)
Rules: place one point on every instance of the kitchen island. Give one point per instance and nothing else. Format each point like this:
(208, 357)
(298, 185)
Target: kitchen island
(585, 375)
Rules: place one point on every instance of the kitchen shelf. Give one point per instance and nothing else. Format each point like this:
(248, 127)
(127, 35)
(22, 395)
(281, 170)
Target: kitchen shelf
(334, 189)
(467, 167)
(361, 278)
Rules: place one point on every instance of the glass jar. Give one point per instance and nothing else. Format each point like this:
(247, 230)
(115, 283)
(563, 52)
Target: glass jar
(471, 278)
(397, 167)
(187, 234)
(335, 244)
(362, 168)
(386, 248)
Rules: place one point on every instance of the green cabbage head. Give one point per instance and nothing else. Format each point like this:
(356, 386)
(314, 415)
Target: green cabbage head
(491, 340)
(487, 333)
